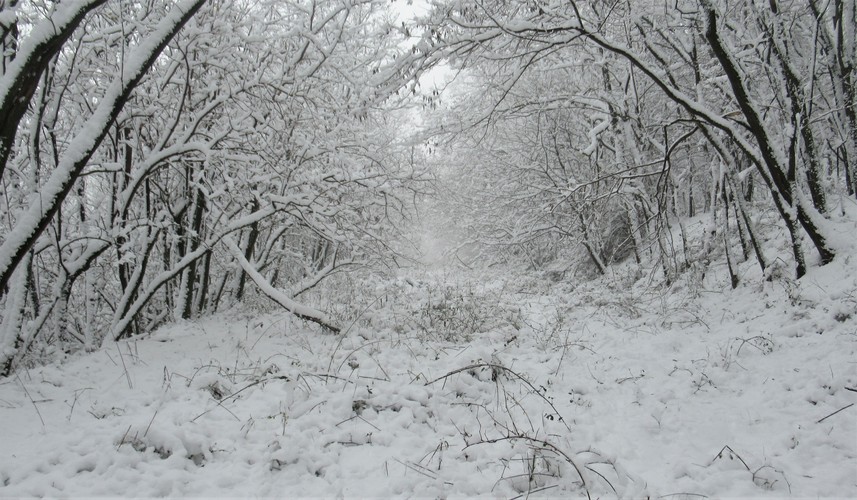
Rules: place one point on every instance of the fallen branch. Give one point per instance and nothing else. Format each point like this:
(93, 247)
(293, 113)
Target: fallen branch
(299, 310)
(834, 413)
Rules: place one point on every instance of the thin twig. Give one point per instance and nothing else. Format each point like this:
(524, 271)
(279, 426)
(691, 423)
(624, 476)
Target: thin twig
(31, 399)
(150, 423)
(834, 413)
(77, 394)
(727, 447)
(602, 477)
(428, 474)
(546, 446)
(494, 366)
(327, 376)
(122, 441)
(370, 423)
(345, 358)
(236, 393)
(127, 376)
(530, 492)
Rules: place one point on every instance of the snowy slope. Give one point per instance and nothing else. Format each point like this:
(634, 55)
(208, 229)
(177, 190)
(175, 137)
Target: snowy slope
(610, 389)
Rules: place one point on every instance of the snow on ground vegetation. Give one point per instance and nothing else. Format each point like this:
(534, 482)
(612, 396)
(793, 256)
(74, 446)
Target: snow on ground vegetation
(463, 385)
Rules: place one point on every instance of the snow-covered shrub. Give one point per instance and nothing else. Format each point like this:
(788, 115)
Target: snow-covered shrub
(455, 311)
(436, 307)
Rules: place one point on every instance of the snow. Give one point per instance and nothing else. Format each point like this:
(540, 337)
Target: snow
(450, 383)
(699, 391)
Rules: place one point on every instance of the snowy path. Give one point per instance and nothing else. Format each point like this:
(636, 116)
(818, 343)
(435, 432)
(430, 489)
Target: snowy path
(713, 396)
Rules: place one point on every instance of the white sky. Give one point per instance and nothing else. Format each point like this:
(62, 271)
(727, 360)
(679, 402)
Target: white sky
(408, 9)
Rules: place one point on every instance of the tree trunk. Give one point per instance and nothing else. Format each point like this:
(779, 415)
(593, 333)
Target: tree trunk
(248, 253)
(201, 301)
(21, 238)
(194, 239)
(13, 319)
(783, 192)
(33, 55)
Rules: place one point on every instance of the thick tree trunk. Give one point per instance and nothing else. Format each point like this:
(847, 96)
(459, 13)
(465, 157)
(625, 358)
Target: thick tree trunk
(194, 237)
(120, 180)
(21, 238)
(21, 77)
(248, 254)
(11, 336)
(741, 213)
(131, 293)
(56, 304)
(590, 250)
(783, 191)
(201, 299)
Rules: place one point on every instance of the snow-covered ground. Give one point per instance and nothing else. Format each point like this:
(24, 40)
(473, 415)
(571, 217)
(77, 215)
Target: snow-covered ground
(609, 387)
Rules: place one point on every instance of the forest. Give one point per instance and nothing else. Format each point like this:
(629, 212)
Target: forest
(398, 248)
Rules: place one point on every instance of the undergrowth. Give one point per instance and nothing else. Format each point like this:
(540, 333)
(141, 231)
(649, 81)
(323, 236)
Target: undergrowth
(436, 307)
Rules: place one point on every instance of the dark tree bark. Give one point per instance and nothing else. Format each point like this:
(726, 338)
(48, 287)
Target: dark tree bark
(782, 186)
(24, 79)
(28, 230)
(248, 253)
(195, 237)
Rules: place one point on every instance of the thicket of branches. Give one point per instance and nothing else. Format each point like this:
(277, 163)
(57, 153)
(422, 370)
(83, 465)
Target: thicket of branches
(602, 124)
(159, 160)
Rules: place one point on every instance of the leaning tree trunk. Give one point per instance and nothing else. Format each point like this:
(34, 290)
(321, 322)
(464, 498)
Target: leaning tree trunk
(248, 253)
(11, 338)
(785, 193)
(32, 223)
